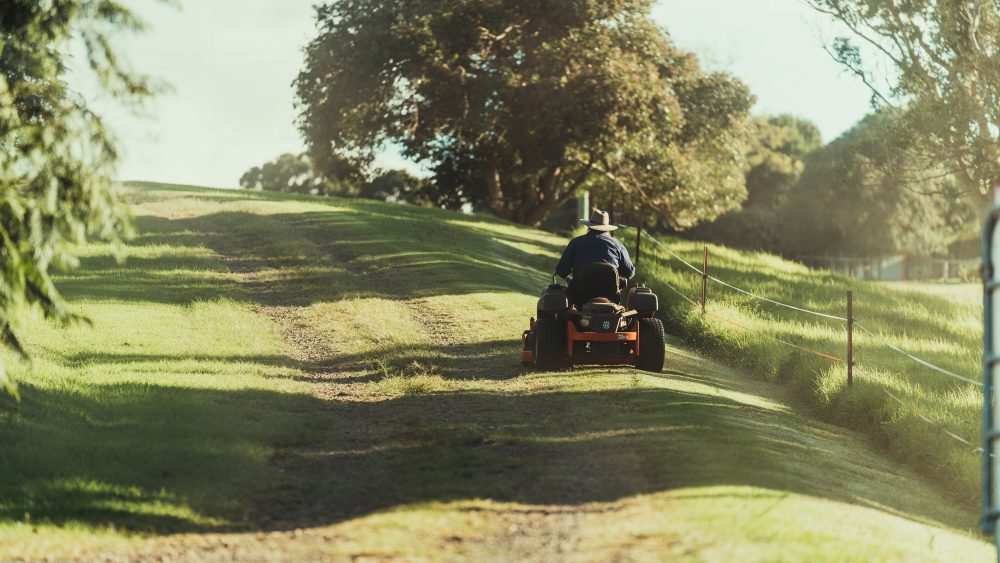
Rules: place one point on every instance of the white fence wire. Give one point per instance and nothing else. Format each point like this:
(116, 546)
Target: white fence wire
(877, 337)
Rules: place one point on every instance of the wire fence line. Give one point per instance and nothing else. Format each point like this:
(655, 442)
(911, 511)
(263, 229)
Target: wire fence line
(876, 336)
(744, 327)
(793, 307)
(920, 361)
(738, 289)
(776, 339)
(933, 423)
(671, 252)
(679, 292)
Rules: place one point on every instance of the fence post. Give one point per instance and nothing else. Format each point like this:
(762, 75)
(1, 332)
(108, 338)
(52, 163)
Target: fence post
(850, 338)
(704, 279)
(638, 236)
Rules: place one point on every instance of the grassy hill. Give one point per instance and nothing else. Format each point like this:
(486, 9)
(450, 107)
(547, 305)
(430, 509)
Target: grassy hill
(298, 378)
(939, 323)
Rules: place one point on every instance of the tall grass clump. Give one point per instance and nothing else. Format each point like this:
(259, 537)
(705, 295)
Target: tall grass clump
(946, 332)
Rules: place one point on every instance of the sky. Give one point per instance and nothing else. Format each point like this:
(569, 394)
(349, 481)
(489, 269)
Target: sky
(230, 65)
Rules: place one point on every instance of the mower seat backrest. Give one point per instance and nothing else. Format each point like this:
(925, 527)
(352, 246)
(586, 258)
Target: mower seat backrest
(599, 279)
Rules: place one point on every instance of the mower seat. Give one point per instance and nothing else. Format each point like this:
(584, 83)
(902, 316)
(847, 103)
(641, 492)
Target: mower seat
(599, 279)
(602, 306)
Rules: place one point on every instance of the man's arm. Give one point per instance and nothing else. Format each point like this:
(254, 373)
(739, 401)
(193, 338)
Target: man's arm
(565, 266)
(625, 269)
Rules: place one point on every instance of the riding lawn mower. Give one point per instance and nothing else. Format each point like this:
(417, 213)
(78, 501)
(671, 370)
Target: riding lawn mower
(584, 324)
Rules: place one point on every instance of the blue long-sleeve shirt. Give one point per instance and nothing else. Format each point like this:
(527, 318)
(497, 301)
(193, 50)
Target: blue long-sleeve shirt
(595, 246)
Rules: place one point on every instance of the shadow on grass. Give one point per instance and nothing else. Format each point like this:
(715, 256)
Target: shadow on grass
(144, 457)
(82, 359)
(183, 273)
(163, 459)
(566, 448)
(298, 259)
(397, 256)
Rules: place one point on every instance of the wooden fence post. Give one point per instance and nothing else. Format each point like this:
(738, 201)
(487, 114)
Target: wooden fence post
(704, 279)
(638, 236)
(850, 338)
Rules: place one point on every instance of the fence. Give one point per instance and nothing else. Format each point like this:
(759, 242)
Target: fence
(849, 320)
(896, 268)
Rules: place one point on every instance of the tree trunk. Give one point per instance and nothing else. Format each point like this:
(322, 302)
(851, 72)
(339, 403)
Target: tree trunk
(494, 193)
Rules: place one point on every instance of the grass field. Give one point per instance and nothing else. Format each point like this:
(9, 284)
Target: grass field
(290, 378)
(965, 293)
(941, 323)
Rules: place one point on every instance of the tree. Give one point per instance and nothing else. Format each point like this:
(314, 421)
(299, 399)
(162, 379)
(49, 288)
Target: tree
(56, 157)
(517, 104)
(775, 158)
(290, 173)
(397, 186)
(849, 199)
(946, 61)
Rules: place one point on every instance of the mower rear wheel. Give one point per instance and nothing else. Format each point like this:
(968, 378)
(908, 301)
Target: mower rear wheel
(550, 344)
(652, 345)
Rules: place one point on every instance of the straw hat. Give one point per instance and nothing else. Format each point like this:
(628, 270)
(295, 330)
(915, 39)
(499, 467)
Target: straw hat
(599, 221)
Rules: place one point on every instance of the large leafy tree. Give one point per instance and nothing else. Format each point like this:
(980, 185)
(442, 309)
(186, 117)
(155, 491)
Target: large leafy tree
(776, 151)
(944, 57)
(776, 155)
(56, 157)
(849, 199)
(517, 104)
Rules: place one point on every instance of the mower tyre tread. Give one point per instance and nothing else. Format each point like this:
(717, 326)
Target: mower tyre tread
(652, 345)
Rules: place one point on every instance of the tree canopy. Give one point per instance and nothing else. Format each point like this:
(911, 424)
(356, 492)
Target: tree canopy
(850, 200)
(56, 157)
(397, 186)
(292, 173)
(775, 158)
(777, 147)
(517, 104)
(945, 56)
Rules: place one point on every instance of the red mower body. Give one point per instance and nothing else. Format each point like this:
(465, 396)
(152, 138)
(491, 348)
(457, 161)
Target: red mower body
(600, 332)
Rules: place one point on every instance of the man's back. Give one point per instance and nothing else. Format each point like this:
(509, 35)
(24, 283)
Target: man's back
(595, 246)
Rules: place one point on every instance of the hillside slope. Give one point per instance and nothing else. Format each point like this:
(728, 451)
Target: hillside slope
(928, 419)
(295, 378)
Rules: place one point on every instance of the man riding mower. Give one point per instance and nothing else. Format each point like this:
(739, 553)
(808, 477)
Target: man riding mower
(585, 323)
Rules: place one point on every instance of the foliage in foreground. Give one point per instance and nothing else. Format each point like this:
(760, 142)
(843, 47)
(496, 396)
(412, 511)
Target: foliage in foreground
(517, 105)
(56, 158)
(943, 331)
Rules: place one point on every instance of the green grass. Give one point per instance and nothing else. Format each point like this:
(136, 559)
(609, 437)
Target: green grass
(295, 378)
(941, 323)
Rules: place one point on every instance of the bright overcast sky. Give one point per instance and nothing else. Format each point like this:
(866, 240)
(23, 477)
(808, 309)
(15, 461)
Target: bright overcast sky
(231, 63)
